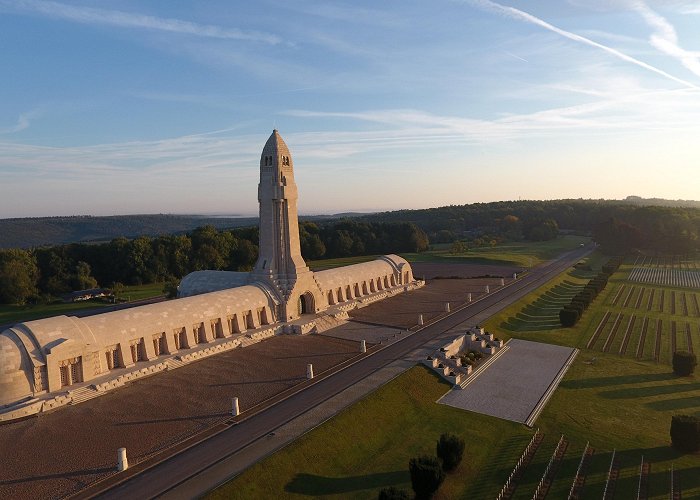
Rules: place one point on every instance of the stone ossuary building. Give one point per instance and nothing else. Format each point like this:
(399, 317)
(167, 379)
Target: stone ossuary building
(48, 363)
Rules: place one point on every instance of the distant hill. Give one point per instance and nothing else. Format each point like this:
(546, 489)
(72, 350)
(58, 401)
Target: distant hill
(660, 202)
(38, 231)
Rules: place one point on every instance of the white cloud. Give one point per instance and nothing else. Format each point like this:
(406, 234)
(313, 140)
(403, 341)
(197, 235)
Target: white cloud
(23, 122)
(91, 15)
(665, 38)
(520, 15)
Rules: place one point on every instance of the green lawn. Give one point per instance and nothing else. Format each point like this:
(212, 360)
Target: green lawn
(523, 254)
(612, 401)
(615, 403)
(16, 314)
(536, 316)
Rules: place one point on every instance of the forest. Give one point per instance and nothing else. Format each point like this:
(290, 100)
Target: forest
(619, 227)
(43, 273)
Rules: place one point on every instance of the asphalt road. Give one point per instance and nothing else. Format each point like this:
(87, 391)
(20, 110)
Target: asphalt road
(168, 474)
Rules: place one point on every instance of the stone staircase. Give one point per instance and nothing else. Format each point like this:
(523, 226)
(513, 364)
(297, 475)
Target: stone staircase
(174, 363)
(83, 394)
(326, 322)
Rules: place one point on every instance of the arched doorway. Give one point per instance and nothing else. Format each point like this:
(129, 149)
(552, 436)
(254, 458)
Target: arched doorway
(306, 303)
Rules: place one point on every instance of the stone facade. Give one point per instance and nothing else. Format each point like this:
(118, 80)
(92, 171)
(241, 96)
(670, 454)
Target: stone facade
(45, 363)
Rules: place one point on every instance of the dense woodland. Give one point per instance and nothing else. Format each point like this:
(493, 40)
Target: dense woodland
(40, 273)
(618, 226)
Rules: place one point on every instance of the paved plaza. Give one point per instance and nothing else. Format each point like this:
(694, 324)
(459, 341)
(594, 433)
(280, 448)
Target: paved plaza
(513, 386)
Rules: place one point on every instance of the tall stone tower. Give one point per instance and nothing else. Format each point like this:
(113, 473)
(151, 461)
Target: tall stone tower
(280, 262)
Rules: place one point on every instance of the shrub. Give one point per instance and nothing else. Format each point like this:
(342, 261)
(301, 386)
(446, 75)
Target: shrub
(450, 449)
(685, 433)
(392, 493)
(684, 363)
(426, 475)
(568, 317)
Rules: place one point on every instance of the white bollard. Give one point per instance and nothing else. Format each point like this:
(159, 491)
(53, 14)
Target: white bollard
(503, 282)
(447, 307)
(420, 319)
(486, 289)
(363, 346)
(469, 297)
(235, 409)
(122, 462)
(309, 371)
(515, 276)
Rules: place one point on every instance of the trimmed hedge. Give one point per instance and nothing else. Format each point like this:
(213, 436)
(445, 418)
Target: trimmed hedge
(684, 363)
(572, 312)
(450, 449)
(426, 475)
(685, 433)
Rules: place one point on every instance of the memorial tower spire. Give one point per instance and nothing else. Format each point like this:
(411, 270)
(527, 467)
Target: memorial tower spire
(280, 262)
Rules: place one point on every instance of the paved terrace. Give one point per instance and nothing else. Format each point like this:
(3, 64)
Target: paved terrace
(516, 384)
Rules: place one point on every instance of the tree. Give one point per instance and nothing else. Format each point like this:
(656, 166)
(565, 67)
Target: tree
(82, 279)
(393, 493)
(118, 289)
(568, 316)
(426, 475)
(170, 287)
(19, 276)
(684, 363)
(459, 247)
(312, 248)
(450, 449)
(685, 433)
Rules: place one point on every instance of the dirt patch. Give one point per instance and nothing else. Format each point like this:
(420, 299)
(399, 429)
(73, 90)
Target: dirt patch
(58, 453)
(430, 270)
(402, 310)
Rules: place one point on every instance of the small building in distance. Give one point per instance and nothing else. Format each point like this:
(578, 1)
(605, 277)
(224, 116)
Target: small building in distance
(92, 293)
(47, 363)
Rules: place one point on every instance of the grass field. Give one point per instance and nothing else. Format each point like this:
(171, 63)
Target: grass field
(15, 314)
(523, 254)
(614, 402)
(536, 316)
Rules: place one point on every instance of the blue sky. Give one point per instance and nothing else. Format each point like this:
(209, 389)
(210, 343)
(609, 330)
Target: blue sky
(163, 107)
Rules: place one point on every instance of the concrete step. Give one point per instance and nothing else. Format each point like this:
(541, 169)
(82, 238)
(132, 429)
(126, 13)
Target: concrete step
(83, 394)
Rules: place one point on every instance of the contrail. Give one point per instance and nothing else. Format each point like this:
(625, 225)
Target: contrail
(520, 15)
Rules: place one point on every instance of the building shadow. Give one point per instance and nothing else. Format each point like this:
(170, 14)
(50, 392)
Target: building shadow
(311, 484)
(655, 390)
(675, 404)
(592, 383)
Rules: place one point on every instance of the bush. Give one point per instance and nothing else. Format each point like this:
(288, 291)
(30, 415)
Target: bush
(685, 433)
(450, 449)
(684, 363)
(568, 317)
(426, 475)
(392, 493)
